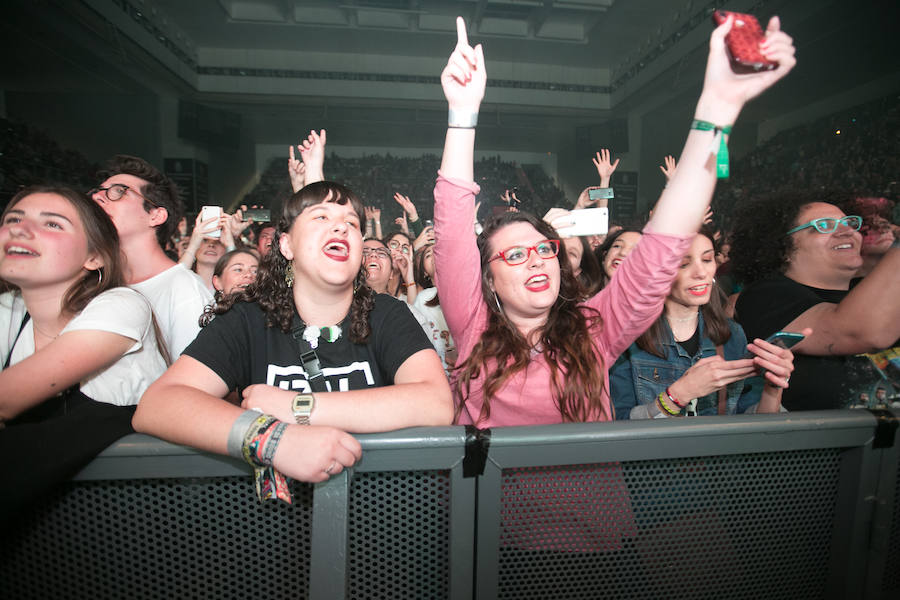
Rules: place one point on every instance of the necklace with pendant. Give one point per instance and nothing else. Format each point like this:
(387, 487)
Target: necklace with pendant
(313, 333)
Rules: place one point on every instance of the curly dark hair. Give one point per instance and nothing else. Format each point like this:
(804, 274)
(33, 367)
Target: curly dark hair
(760, 247)
(576, 371)
(271, 290)
(160, 190)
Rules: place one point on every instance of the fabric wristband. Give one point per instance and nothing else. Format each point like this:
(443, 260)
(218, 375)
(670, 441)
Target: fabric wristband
(461, 120)
(718, 140)
(238, 429)
(258, 449)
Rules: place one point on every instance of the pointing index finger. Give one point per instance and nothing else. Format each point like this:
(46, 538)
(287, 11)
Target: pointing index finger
(462, 39)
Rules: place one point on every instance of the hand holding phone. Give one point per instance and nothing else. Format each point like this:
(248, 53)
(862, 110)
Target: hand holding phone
(742, 42)
(211, 212)
(586, 221)
(782, 339)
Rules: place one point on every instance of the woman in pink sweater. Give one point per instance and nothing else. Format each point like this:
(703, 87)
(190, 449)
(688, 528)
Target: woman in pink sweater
(528, 352)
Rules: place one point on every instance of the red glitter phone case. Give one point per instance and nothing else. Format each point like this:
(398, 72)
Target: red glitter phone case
(742, 43)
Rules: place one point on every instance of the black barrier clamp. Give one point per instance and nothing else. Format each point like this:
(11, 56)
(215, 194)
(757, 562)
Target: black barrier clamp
(478, 442)
(885, 428)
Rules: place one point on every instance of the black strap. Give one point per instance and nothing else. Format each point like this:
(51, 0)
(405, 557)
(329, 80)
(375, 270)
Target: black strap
(308, 357)
(478, 442)
(885, 428)
(25, 319)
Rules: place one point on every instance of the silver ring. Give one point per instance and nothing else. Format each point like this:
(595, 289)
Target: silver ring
(330, 467)
(787, 379)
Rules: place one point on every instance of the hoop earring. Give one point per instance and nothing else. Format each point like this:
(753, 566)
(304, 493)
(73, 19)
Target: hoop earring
(99, 276)
(289, 274)
(497, 302)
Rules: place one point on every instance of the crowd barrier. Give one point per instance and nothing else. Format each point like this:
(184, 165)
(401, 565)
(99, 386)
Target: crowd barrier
(798, 505)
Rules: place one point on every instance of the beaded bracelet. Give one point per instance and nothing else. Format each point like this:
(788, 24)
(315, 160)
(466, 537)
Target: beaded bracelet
(661, 400)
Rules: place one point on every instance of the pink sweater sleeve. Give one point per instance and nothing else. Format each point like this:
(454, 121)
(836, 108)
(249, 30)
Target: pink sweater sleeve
(457, 261)
(634, 297)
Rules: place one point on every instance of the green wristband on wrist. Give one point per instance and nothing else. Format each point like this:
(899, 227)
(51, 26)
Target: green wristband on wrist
(722, 153)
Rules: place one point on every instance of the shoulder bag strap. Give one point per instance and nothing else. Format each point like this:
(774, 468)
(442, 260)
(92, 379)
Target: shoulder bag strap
(723, 392)
(12, 346)
(308, 357)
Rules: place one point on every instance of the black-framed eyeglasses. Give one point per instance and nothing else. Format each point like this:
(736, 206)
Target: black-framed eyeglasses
(830, 224)
(519, 254)
(115, 192)
(380, 252)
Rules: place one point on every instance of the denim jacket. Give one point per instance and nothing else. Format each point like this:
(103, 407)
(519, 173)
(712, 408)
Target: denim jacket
(638, 377)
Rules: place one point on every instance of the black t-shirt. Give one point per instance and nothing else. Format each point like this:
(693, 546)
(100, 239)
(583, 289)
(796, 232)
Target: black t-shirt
(818, 382)
(241, 350)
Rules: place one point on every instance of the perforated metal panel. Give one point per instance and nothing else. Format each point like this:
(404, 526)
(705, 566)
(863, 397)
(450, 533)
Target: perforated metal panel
(160, 538)
(736, 526)
(891, 582)
(399, 535)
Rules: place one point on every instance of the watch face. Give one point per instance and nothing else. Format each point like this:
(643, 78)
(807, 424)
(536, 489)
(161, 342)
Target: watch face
(303, 402)
(302, 406)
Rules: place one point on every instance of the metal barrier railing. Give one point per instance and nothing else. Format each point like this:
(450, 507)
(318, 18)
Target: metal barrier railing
(797, 505)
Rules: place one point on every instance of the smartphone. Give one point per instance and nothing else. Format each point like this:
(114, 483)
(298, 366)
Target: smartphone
(742, 42)
(784, 339)
(259, 215)
(601, 193)
(208, 212)
(588, 221)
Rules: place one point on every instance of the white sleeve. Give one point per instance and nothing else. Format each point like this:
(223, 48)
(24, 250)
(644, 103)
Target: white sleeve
(122, 311)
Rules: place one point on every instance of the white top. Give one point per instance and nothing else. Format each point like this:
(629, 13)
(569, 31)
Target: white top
(437, 329)
(178, 297)
(119, 310)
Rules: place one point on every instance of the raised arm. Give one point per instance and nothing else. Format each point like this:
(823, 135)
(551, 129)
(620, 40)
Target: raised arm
(456, 253)
(412, 215)
(605, 168)
(683, 203)
(669, 168)
(200, 228)
(373, 222)
(312, 151)
(296, 170)
(463, 81)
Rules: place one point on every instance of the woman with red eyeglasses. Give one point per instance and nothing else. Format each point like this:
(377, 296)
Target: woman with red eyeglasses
(529, 351)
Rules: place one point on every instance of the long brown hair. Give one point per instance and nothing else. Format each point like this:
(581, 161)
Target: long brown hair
(102, 240)
(576, 370)
(715, 321)
(271, 290)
